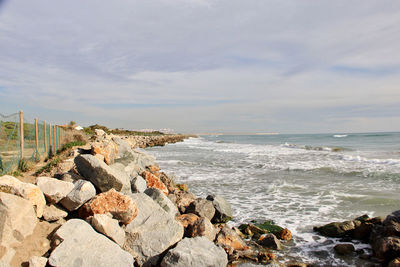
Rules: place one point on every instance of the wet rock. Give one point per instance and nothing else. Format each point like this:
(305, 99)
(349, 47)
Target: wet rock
(344, 249)
(109, 227)
(223, 210)
(30, 192)
(154, 182)
(36, 261)
(392, 224)
(161, 199)
(182, 187)
(201, 227)
(266, 257)
(138, 184)
(52, 213)
(252, 230)
(202, 208)
(278, 231)
(120, 206)
(194, 252)
(229, 240)
(82, 192)
(101, 175)
(296, 264)
(336, 229)
(17, 221)
(394, 263)
(152, 232)
(54, 189)
(269, 241)
(80, 245)
(363, 231)
(387, 248)
(182, 200)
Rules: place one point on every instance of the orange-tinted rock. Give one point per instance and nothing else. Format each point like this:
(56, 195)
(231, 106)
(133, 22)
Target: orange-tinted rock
(182, 199)
(182, 187)
(108, 150)
(153, 169)
(285, 234)
(154, 182)
(187, 219)
(168, 181)
(120, 206)
(201, 227)
(230, 240)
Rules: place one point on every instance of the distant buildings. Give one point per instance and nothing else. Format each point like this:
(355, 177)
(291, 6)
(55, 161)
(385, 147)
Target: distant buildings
(164, 131)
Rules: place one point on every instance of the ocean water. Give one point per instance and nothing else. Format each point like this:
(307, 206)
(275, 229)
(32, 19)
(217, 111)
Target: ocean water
(298, 181)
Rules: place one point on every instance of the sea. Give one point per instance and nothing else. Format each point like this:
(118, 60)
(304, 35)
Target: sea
(297, 180)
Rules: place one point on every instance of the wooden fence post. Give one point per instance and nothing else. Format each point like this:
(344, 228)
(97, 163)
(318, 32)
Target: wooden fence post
(21, 133)
(36, 138)
(50, 141)
(54, 139)
(45, 137)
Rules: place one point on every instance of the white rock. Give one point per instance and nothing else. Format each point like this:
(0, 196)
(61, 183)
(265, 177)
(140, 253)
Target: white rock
(54, 189)
(36, 261)
(109, 227)
(82, 192)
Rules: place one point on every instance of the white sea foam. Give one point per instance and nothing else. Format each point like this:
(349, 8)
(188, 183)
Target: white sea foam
(340, 135)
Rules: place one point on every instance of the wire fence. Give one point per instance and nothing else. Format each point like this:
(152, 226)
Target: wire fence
(23, 139)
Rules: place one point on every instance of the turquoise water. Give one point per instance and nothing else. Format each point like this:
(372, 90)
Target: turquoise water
(298, 181)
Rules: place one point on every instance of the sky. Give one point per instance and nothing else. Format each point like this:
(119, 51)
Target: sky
(200, 66)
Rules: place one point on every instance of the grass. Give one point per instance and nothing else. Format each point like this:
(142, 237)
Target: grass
(90, 131)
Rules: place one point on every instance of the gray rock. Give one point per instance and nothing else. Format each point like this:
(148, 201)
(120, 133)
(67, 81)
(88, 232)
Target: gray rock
(52, 213)
(124, 148)
(270, 241)
(82, 192)
(202, 208)
(344, 249)
(36, 261)
(195, 252)
(161, 199)
(138, 184)
(223, 210)
(182, 199)
(17, 221)
(82, 246)
(336, 229)
(202, 227)
(54, 189)
(102, 175)
(152, 231)
(109, 227)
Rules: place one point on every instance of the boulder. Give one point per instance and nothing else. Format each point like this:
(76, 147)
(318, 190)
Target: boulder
(195, 252)
(202, 208)
(99, 132)
(230, 240)
(101, 175)
(168, 181)
(82, 192)
(36, 261)
(269, 241)
(387, 248)
(223, 210)
(32, 193)
(336, 229)
(201, 227)
(152, 232)
(161, 199)
(80, 245)
(394, 263)
(182, 187)
(17, 221)
(54, 189)
(121, 207)
(109, 227)
(106, 149)
(182, 200)
(124, 148)
(344, 249)
(392, 224)
(52, 213)
(138, 184)
(154, 182)
(153, 168)
(187, 219)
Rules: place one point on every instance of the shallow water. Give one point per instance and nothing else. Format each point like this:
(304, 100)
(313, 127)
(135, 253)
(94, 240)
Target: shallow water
(299, 181)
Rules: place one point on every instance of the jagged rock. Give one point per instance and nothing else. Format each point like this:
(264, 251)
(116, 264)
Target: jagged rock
(108, 149)
(82, 246)
(387, 248)
(201, 227)
(223, 210)
(230, 240)
(101, 175)
(99, 132)
(54, 189)
(168, 181)
(17, 221)
(138, 184)
(120, 206)
(36, 261)
(153, 168)
(152, 232)
(187, 219)
(70, 177)
(344, 249)
(392, 224)
(394, 263)
(259, 228)
(82, 192)
(161, 199)
(182, 187)
(52, 213)
(270, 241)
(202, 208)
(195, 252)
(182, 200)
(109, 227)
(30, 192)
(336, 229)
(363, 231)
(124, 148)
(154, 182)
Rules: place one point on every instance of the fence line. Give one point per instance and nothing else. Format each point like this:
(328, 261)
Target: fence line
(22, 140)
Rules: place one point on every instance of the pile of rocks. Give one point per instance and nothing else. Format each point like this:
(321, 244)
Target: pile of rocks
(383, 234)
(114, 207)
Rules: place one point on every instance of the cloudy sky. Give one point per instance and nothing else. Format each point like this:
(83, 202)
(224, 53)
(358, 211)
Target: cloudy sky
(204, 65)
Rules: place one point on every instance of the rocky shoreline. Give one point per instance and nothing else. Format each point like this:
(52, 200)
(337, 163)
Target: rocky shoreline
(111, 205)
